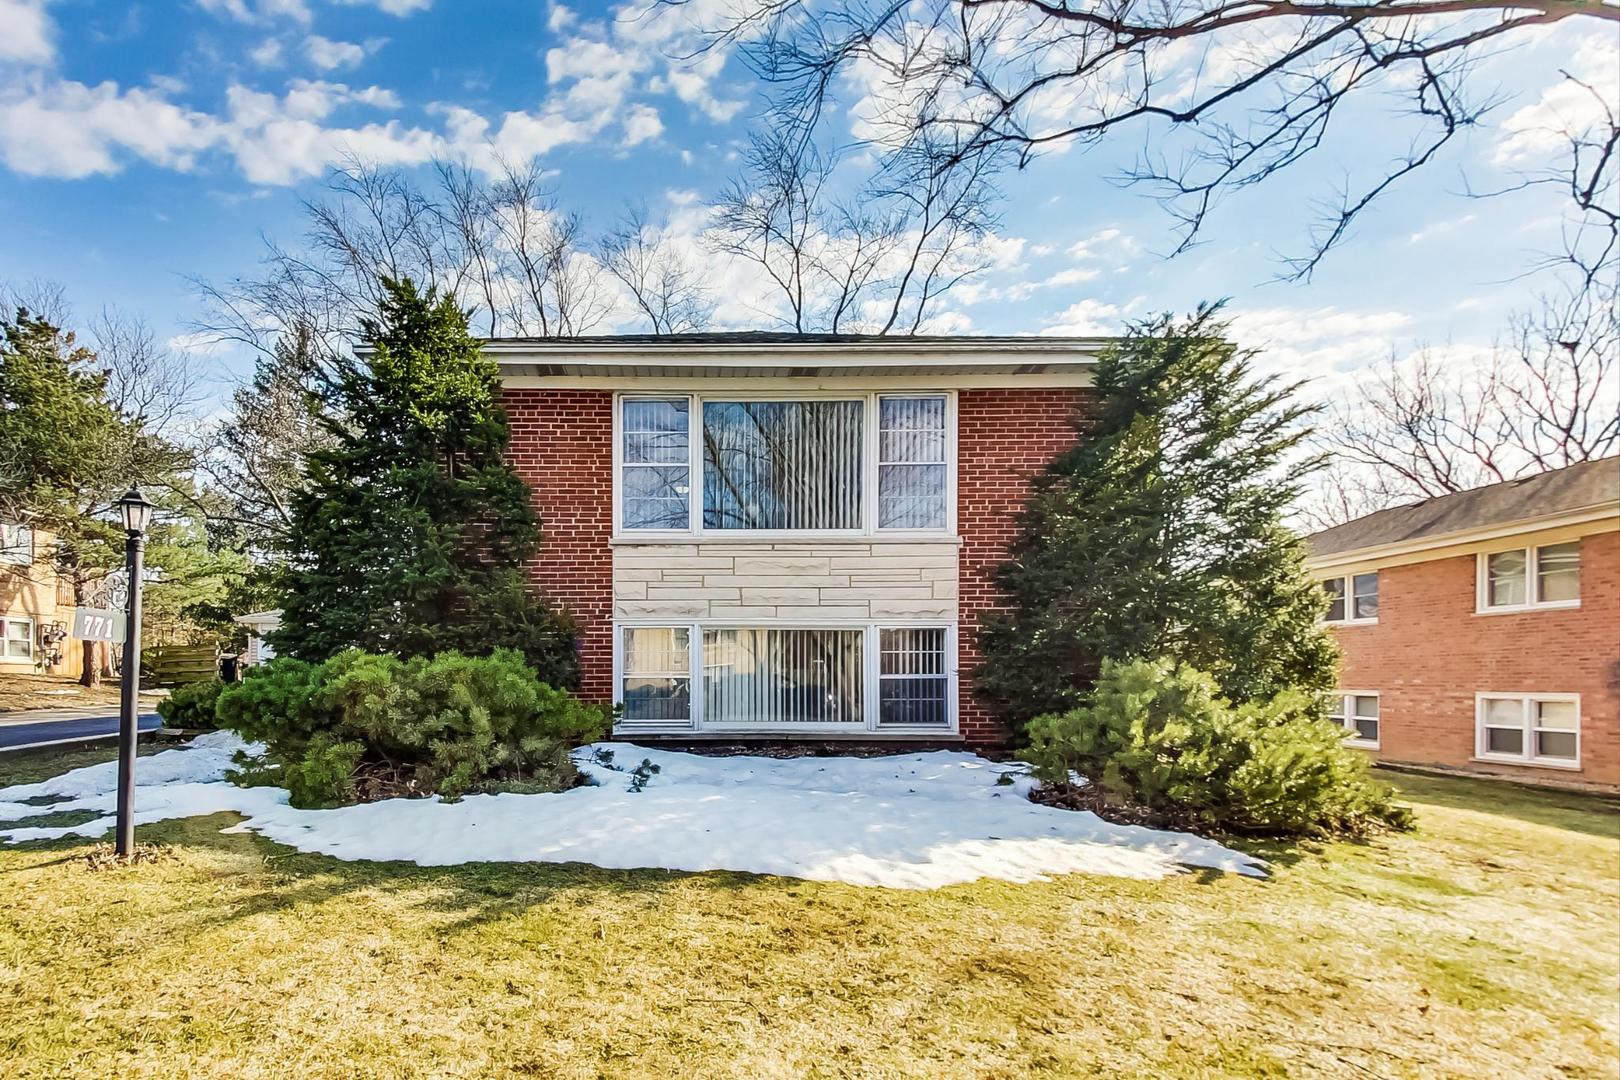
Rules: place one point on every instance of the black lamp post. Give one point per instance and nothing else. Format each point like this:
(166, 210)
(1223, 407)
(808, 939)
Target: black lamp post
(137, 514)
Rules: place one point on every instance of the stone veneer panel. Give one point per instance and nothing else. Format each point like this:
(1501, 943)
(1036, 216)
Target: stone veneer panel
(837, 581)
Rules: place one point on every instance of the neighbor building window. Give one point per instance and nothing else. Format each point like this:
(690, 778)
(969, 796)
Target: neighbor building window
(16, 544)
(657, 687)
(18, 643)
(913, 680)
(780, 676)
(1357, 713)
(839, 465)
(1546, 576)
(1352, 598)
(1537, 729)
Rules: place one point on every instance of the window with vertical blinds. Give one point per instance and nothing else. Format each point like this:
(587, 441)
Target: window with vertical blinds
(807, 465)
(783, 676)
(782, 465)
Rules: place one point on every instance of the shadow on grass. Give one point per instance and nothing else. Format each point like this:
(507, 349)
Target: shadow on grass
(276, 879)
(1574, 811)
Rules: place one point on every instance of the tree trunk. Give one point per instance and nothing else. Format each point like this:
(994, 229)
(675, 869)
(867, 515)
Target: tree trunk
(91, 675)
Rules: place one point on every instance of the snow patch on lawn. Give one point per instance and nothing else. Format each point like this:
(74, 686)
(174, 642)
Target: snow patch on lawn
(912, 821)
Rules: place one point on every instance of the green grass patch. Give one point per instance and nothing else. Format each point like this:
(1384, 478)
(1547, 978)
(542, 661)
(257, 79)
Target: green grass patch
(1486, 943)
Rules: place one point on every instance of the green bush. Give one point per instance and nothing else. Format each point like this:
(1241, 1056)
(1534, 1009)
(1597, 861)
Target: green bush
(191, 705)
(1158, 735)
(365, 725)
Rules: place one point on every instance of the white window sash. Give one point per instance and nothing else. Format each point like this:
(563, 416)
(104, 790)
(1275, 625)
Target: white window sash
(1527, 728)
(869, 467)
(871, 675)
(8, 625)
(1348, 583)
(1532, 583)
(1344, 714)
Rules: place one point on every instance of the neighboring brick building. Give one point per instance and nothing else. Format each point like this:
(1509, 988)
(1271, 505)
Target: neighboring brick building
(783, 534)
(1481, 631)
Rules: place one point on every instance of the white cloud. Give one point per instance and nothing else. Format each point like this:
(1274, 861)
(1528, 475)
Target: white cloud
(267, 53)
(1428, 232)
(259, 13)
(327, 54)
(196, 343)
(68, 129)
(1107, 244)
(560, 18)
(641, 124)
(1536, 132)
(1088, 318)
(28, 32)
(398, 8)
(1073, 276)
(1311, 342)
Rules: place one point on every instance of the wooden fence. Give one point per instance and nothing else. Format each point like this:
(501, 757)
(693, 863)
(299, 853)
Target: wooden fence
(172, 665)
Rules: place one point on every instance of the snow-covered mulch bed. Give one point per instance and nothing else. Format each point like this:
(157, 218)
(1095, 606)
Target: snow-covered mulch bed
(913, 821)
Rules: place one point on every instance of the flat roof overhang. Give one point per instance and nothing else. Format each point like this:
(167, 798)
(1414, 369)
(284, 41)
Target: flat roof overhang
(894, 357)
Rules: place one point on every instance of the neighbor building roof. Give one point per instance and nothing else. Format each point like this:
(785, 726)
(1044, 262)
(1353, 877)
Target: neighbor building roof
(1591, 485)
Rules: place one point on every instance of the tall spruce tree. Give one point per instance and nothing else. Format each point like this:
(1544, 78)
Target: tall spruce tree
(1161, 533)
(411, 534)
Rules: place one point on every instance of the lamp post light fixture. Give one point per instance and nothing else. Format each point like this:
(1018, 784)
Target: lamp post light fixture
(137, 515)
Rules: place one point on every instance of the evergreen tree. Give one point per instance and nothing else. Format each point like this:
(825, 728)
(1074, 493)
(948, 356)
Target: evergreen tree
(411, 533)
(67, 453)
(1161, 534)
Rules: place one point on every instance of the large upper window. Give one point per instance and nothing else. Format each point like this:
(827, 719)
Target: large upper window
(1547, 576)
(1353, 598)
(1537, 729)
(810, 465)
(782, 465)
(16, 544)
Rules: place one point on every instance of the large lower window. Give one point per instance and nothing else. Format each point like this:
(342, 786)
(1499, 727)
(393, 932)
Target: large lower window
(17, 643)
(786, 677)
(779, 676)
(913, 681)
(1357, 713)
(1546, 576)
(1538, 729)
(657, 686)
(856, 465)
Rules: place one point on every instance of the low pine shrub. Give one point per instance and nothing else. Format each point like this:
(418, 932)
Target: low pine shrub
(364, 725)
(191, 706)
(1158, 735)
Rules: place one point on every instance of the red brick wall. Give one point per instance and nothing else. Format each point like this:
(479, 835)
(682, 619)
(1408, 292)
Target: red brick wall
(1429, 654)
(1004, 437)
(562, 446)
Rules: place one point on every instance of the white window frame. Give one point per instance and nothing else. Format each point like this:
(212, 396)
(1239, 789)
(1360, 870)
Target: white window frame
(16, 544)
(1349, 583)
(869, 466)
(871, 662)
(1532, 581)
(1527, 701)
(6, 639)
(1346, 718)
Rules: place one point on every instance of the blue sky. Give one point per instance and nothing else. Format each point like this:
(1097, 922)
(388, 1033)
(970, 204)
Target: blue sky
(143, 144)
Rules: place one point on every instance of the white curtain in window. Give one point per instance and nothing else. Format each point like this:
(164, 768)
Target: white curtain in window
(782, 676)
(782, 465)
(911, 463)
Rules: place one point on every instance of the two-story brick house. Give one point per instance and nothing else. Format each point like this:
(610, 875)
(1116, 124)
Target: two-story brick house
(1481, 631)
(785, 534)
